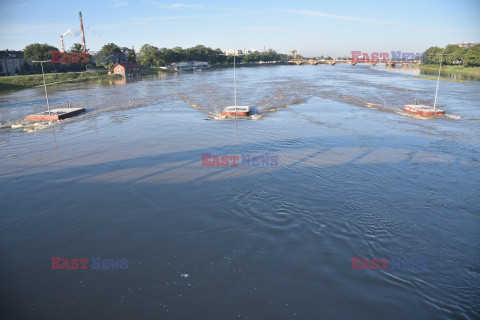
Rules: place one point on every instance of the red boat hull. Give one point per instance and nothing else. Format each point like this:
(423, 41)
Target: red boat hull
(423, 111)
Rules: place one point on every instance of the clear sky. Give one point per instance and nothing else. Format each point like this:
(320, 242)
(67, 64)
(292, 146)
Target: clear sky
(313, 27)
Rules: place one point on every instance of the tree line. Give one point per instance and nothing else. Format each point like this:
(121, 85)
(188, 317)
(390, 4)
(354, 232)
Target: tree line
(453, 55)
(149, 55)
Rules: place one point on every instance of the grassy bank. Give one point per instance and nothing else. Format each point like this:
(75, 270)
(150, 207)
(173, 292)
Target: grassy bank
(441, 79)
(24, 82)
(452, 70)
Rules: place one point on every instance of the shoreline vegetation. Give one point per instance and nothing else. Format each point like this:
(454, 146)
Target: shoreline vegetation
(459, 63)
(14, 83)
(452, 71)
(20, 82)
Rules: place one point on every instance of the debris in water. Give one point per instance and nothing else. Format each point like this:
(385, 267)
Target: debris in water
(184, 275)
(16, 125)
(453, 116)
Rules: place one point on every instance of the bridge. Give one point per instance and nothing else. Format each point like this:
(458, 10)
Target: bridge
(388, 63)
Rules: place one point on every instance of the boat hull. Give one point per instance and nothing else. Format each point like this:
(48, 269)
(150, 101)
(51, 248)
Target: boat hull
(423, 110)
(55, 114)
(239, 111)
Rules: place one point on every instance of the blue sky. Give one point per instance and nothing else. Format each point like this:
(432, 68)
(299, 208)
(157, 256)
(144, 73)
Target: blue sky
(313, 27)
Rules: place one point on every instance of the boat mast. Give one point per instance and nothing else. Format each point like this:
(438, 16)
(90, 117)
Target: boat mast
(235, 80)
(438, 80)
(44, 84)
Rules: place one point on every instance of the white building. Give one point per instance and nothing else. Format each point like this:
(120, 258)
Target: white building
(466, 44)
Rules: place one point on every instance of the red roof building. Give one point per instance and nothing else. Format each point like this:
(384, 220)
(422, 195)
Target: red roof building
(127, 69)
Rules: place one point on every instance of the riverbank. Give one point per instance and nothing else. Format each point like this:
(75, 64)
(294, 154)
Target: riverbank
(14, 83)
(451, 71)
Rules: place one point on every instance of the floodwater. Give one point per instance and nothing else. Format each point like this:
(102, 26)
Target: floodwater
(343, 175)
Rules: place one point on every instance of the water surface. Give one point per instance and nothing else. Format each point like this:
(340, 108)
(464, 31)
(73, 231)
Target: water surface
(355, 178)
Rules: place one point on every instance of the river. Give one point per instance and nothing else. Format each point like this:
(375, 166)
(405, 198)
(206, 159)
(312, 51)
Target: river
(339, 173)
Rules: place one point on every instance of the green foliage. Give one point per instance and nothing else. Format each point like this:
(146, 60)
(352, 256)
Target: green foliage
(267, 56)
(472, 56)
(453, 55)
(152, 56)
(109, 55)
(132, 57)
(111, 48)
(76, 47)
(431, 55)
(23, 82)
(149, 56)
(40, 52)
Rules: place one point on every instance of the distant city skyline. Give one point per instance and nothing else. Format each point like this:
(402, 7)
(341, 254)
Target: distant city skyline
(312, 27)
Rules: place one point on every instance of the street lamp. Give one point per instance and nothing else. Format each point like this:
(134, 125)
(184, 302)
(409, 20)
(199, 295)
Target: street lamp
(44, 84)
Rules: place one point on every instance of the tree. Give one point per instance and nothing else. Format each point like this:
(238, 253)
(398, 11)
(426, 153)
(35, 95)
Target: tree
(131, 56)
(109, 55)
(453, 53)
(39, 52)
(472, 56)
(431, 55)
(149, 55)
(77, 47)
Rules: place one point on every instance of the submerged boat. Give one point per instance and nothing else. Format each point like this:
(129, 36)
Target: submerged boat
(423, 110)
(236, 111)
(55, 114)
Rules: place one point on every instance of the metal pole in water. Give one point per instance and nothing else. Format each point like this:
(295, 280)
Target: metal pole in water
(438, 80)
(235, 80)
(235, 85)
(44, 84)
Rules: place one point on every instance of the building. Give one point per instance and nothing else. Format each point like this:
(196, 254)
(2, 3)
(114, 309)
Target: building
(239, 52)
(293, 52)
(127, 69)
(11, 62)
(234, 52)
(466, 44)
(190, 65)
